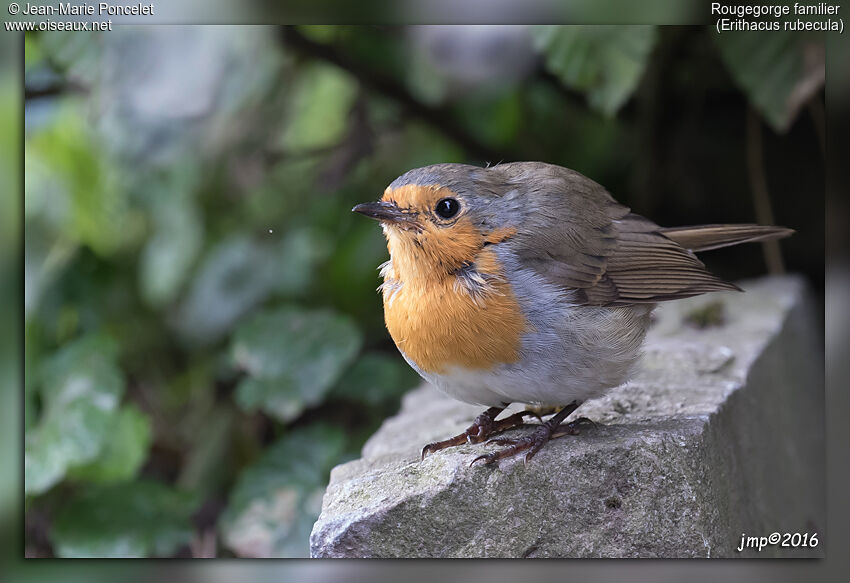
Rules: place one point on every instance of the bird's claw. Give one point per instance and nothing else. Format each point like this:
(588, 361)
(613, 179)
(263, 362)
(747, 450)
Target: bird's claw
(438, 445)
(483, 427)
(533, 442)
(572, 428)
(501, 441)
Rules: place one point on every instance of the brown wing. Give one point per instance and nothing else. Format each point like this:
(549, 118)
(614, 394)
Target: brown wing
(578, 237)
(650, 267)
(708, 237)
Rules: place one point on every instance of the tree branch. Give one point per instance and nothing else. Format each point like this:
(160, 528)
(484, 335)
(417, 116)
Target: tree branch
(53, 89)
(758, 184)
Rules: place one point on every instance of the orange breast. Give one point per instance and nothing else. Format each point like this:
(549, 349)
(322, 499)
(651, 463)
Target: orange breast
(438, 324)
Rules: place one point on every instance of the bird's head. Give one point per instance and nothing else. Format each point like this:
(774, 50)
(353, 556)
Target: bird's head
(438, 219)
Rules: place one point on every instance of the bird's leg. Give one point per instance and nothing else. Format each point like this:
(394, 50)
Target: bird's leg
(542, 410)
(571, 428)
(532, 443)
(483, 427)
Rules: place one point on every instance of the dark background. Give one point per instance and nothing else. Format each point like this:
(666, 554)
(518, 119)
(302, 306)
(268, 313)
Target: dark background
(187, 224)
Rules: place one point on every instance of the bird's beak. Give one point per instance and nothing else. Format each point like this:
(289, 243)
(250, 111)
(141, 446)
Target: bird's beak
(384, 211)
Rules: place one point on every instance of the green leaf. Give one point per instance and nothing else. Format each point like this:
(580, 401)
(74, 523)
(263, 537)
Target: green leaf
(275, 501)
(239, 273)
(603, 62)
(292, 357)
(137, 519)
(234, 277)
(124, 452)
(177, 237)
(779, 71)
(72, 185)
(280, 398)
(319, 112)
(376, 378)
(81, 388)
(168, 255)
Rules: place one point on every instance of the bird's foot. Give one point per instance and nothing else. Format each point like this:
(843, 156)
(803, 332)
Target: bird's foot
(534, 442)
(572, 428)
(483, 427)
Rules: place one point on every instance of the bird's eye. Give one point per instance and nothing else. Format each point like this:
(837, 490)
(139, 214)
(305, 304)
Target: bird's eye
(447, 208)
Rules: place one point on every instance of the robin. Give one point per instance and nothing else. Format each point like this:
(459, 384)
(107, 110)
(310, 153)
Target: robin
(528, 283)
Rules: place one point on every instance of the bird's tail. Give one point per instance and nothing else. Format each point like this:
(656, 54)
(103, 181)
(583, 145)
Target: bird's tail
(707, 237)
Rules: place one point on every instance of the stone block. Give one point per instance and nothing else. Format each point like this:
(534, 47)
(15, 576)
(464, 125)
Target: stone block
(720, 435)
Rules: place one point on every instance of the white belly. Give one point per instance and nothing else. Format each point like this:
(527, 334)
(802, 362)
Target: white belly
(575, 353)
(570, 353)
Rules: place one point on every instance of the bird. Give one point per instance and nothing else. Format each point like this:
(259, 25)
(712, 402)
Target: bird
(527, 282)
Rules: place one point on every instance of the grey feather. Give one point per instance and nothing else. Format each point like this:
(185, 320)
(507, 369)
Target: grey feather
(579, 237)
(708, 237)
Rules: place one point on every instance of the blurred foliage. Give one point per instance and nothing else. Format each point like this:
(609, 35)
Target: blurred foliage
(292, 357)
(203, 337)
(276, 500)
(82, 387)
(780, 72)
(137, 519)
(604, 62)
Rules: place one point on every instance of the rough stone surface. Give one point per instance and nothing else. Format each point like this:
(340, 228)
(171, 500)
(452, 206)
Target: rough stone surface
(720, 434)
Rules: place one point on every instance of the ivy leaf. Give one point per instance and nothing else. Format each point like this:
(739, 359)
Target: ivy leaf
(177, 236)
(376, 378)
(72, 186)
(281, 398)
(240, 272)
(275, 502)
(124, 452)
(81, 388)
(137, 519)
(292, 357)
(603, 62)
(779, 71)
(235, 276)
